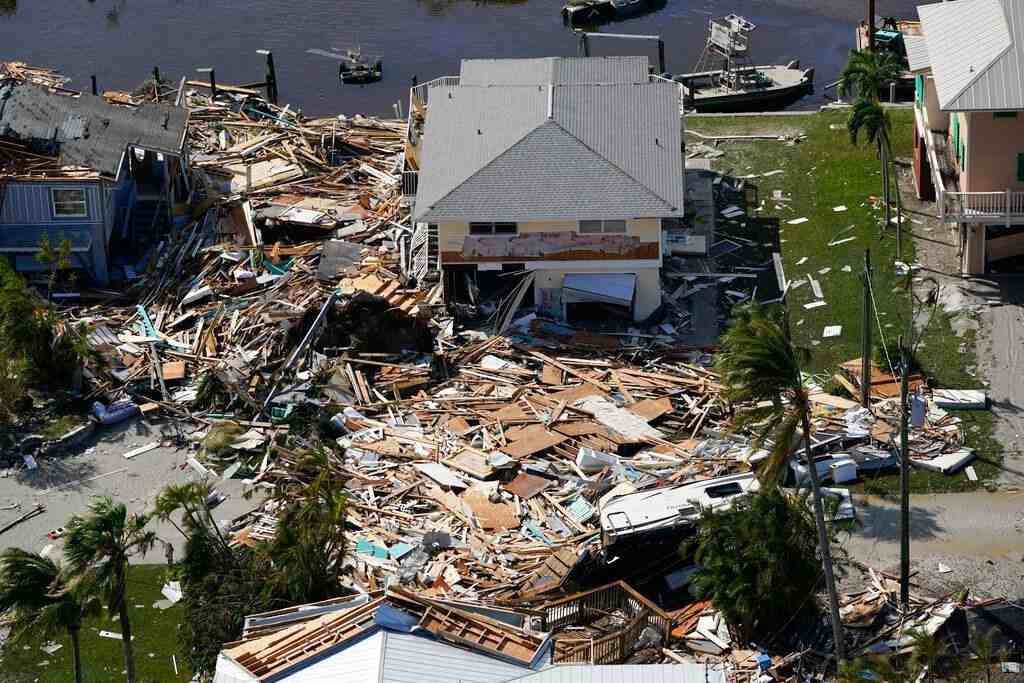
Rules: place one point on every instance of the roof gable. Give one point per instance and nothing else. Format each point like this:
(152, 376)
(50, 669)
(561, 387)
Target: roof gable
(548, 175)
(976, 50)
(629, 132)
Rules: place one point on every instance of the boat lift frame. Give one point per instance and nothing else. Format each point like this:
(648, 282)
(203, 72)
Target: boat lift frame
(584, 44)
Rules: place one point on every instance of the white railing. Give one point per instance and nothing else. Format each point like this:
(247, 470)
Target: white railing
(982, 207)
(410, 182)
(419, 94)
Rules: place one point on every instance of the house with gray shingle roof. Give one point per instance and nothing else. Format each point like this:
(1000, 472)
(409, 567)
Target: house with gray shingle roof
(565, 168)
(101, 176)
(969, 130)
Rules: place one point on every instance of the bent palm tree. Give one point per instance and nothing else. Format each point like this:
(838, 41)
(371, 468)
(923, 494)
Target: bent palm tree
(44, 599)
(871, 119)
(100, 544)
(760, 367)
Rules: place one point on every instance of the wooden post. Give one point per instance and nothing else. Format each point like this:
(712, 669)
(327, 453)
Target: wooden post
(95, 90)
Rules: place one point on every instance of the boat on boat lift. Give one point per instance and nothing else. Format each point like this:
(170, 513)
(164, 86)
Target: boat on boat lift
(353, 67)
(725, 79)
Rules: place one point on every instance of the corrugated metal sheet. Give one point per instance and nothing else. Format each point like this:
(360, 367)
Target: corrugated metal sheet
(88, 131)
(608, 151)
(976, 50)
(30, 202)
(557, 70)
(413, 659)
(627, 673)
(917, 52)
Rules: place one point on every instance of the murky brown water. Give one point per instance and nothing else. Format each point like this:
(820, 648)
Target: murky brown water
(121, 40)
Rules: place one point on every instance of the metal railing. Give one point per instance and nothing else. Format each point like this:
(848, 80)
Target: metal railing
(420, 94)
(410, 182)
(988, 207)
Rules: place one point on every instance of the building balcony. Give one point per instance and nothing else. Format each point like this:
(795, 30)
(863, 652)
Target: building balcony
(1000, 208)
(990, 207)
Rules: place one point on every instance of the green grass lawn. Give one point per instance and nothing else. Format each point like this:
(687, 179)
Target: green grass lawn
(821, 172)
(155, 641)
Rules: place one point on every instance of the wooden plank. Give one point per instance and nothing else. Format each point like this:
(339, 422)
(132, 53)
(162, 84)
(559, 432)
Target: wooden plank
(652, 408)
(533, 439)
(174, 369)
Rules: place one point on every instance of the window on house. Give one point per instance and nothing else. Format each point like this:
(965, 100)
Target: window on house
(1020, 168)
(919, 90)
(69, 203)
(493, 228)
(593, 227)
(1004, 114)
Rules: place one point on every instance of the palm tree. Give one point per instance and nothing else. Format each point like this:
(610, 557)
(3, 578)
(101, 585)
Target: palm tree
(867, 73)
(100, 544)
(43, 598)
(871, 119)
(760, 367)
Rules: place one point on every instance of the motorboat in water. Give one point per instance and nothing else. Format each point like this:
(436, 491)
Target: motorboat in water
(725, 79)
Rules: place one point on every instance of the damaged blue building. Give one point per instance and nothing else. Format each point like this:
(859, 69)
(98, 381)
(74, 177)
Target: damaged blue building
(106, 177)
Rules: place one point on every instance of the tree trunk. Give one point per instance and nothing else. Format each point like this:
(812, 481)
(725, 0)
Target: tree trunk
(76, 654)
(885, 184)
(899, 206)
(126, 641)
(823, 544)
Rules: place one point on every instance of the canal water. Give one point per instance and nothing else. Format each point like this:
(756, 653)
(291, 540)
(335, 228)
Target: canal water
(122, 40)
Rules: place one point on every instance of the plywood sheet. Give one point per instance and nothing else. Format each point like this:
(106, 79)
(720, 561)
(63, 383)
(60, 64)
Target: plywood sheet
(533, 439)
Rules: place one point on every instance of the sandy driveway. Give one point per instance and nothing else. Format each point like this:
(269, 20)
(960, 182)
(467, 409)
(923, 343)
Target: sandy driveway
(978, 537)
(65, 485)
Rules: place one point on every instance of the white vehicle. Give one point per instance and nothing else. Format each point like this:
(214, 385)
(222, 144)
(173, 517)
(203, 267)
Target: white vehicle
(665, 508)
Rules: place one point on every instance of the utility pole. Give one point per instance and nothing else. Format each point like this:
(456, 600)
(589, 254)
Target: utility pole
(871, 25)
(904, 481)
(865, 336)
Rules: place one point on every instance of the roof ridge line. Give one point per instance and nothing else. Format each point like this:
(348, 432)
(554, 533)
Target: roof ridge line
(489, 162)
(617, 167)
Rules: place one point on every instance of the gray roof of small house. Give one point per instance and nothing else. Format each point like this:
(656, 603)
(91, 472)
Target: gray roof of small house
(86, 130)
(609, 151)
(976, 50)
(557, 70)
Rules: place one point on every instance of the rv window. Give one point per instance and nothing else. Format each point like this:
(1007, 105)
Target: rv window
(723, 490)
(69, 203)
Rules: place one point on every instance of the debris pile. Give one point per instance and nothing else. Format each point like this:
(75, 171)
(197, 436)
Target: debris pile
(484, 482)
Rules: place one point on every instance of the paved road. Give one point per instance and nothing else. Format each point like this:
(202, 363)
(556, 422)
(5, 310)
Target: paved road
(66, 484)
(1002, 353)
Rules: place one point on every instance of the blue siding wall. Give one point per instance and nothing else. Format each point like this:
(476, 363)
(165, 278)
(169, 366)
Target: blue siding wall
(29, 202)
(27, 215)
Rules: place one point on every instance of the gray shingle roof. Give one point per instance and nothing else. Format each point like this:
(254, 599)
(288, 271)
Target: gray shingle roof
(976, 49)
(87, 130)
(557, 70)
(607, 151)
